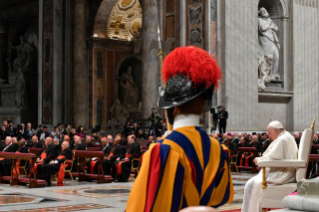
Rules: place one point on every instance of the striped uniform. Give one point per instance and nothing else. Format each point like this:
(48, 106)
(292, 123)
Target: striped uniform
(187, 168)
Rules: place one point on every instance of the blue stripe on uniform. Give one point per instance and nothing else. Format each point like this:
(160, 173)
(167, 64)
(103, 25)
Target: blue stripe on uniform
(205, 144)
(191, 153)
(178, 187)
(208, 193)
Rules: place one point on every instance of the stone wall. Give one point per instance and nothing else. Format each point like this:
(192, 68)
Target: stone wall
(305, 62)
(237, 50)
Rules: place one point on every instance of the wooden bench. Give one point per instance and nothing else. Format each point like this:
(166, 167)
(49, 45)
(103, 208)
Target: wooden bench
(93, 148)
(16, 180)
(82, 175)
(252, 150)
(35, 150)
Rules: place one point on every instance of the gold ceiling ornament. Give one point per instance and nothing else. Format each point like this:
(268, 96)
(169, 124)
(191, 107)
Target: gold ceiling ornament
(125, 20)
(125, 4)
(135, 25)
(118, 24)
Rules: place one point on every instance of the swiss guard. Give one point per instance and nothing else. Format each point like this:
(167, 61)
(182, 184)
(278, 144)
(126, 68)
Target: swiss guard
(187, 167)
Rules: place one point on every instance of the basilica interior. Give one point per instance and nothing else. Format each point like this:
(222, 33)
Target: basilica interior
(85, 75)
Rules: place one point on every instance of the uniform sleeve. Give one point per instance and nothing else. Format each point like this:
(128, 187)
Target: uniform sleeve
(224, 191)
(159, 184)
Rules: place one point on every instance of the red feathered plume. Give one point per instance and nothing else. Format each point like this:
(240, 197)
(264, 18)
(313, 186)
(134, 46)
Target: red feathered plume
(194, 62)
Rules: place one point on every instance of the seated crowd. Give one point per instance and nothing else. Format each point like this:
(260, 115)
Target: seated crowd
(57, 146)
(120, 155)
(261, 141)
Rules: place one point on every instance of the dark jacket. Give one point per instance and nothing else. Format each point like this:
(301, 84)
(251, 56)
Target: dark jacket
(36, 145)
(68, 155)
(51, 153)
(117, 153)
(223, 116)
(23, 149)
(134, 150)
(79, 147)
(107, 150)
(90, 144)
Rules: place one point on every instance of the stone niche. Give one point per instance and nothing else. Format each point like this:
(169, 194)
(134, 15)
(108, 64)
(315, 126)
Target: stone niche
(278, 14)
(19, 83)
(115, 62)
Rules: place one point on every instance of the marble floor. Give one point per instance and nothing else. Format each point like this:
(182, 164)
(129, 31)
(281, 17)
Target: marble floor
(88, 196)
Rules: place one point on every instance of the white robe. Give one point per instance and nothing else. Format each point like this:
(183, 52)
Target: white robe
(284, 147)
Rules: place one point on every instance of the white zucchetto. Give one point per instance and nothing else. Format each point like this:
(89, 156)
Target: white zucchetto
(276, 125)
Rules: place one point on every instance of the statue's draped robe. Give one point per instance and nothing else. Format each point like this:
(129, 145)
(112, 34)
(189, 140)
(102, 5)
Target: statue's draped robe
(24, 58)
(269, 42)
(283, 148)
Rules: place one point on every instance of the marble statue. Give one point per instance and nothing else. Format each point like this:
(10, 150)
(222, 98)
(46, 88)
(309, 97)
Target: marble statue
(268, 41)
(21, 98)
(118, 113)
(130, 94)
(24, 50)
(264, 66)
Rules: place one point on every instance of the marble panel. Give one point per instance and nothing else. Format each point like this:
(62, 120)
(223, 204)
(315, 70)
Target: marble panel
(241, 48)
(305, 63)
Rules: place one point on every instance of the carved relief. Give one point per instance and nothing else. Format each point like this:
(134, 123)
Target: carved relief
(125, 4)
(125, 20)
(195, 24)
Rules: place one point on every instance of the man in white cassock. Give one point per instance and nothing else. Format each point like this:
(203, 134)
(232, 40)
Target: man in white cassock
(283, 147)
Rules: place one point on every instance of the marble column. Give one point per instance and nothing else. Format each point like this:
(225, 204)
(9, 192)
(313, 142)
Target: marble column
(80, 69)
(151, 70)
(57, 61)
(3, 48)
(40, 56)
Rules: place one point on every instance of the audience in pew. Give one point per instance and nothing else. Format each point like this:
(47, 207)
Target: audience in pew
(5, 164)
(123, 164)
(52, 164)
(118, 156)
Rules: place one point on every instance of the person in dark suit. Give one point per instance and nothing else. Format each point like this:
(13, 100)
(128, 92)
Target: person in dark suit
(315, 139)
(257, 144)
(89, 141)
(44, 133)
(116, 154)
(106, 148)
(151, 140)
(123, 165)
(39, 131)
(3, 133)
(77, 146)
(127, 129)
(5, 164)
(52, 165)
(35, 143)
(223, 116)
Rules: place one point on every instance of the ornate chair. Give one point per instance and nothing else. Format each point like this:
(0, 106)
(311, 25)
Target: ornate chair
(69, 168)
(24, 167)
(272, 195)
(137, 167)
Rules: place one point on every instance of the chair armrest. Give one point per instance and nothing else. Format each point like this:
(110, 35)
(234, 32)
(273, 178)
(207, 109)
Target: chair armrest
(68, 161)
(282, 163)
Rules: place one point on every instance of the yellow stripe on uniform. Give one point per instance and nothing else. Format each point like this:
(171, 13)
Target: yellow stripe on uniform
(164, 196)
(212, 165)
(191, 193)
(194, 137)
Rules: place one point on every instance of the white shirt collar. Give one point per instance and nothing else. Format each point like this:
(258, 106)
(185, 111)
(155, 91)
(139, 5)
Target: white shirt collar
(185, 121)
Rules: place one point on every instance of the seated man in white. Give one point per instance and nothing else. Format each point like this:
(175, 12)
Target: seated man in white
(282, 147)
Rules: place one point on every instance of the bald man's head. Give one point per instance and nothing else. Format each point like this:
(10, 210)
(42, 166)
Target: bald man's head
(65, 145)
